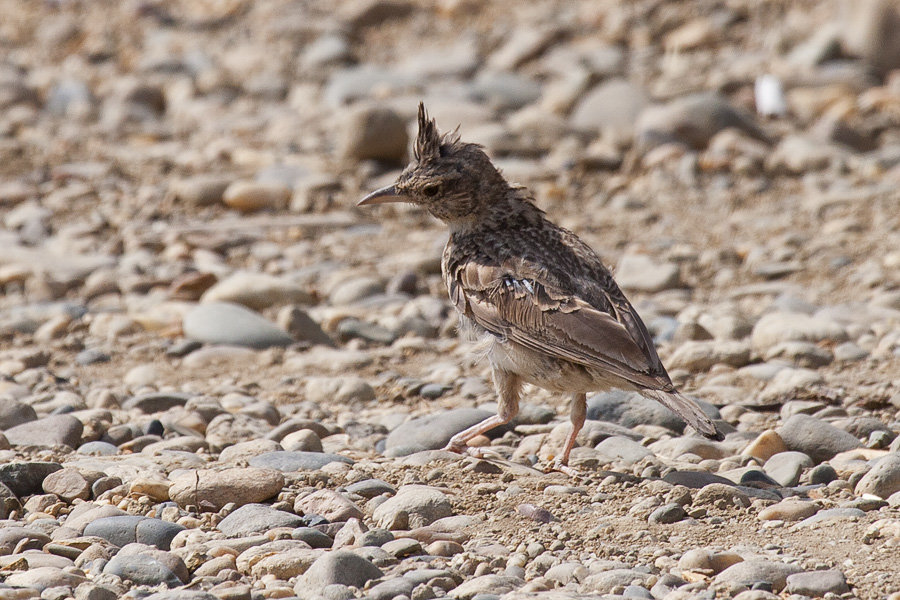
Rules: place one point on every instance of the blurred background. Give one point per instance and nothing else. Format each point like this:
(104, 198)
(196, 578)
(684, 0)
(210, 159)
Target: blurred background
(156, 153)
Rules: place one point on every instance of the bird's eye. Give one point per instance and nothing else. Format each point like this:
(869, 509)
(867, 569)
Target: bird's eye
(431, 190)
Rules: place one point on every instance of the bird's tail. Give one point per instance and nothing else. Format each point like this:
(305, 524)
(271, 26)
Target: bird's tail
(687, 409)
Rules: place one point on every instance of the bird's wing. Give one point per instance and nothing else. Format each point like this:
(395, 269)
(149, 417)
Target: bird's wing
(523, 304)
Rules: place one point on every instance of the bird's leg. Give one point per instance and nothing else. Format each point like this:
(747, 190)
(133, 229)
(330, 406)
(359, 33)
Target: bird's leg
(508, 387)
(577, 416)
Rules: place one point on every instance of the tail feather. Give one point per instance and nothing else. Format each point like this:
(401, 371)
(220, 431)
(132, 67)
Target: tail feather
(687, 409)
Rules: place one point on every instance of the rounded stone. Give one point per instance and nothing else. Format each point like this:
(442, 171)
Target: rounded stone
(251, 196)
(340, 567)
(211, 490)
(373, 133)
(232, 324)
(254, 518)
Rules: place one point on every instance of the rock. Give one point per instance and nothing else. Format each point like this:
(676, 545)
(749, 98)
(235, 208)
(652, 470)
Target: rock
(883, 479)
(156, 402)
(301, 327)
(486, 585)
(371, 13)
(797, 154)
(702, 355)
(667, 513)
(257, 291)
(330, 505)
(777, 327)
(503, 90)
(339, 566)
(789, 509)
(817, 584)
(211, 490)
(373, 133)
(613, 105)
(815, 438)
(869, 34)
(338, 390)
(355, 289)
(127, 529)
(832, 514)
(142, 570)
(296, 461)
(313, 537)
(692, 121)
(721, 496)
(621, 449)
(13, 412)
(26, 478)
(255, 518)
(232, 324)
(391, 588)
(750, 572)
(68, 484)
(226, 429)
(630, 409)
(369, 488)
(251, 196)
(55, 430)
(413, 506)
(705, 559)
(642, 273)
(695, 479)
(200, 190)
(42, 578)
(786, 467)
(431, 432)
(304, 440)
(12, 536)
(801, 354)
(766, 445)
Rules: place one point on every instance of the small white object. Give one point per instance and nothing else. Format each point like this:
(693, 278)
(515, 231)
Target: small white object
(769, 96)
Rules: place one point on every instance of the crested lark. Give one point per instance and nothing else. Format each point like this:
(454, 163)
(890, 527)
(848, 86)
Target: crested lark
(548, 309)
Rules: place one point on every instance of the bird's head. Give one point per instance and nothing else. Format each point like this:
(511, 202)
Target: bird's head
(452, 180)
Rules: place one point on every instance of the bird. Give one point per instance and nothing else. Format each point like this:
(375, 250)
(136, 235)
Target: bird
(542, 302)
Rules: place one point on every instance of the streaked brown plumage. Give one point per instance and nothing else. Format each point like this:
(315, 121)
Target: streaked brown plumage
(542, 300)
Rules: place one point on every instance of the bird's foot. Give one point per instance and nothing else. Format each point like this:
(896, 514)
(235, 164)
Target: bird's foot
(558, 465)
(473, 451)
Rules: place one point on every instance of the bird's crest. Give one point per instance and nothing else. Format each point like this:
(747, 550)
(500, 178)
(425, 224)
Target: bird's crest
(429, 143)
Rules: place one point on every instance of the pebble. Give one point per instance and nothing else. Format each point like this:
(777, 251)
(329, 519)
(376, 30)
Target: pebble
(692, 121)
(338, 567)
(200, 190)
(817, 584)
(251, 196)
(257, 291)
(643, 273)
(143, 570)
(831, 514)
(413, 506)
(126, 529)
(789, 509)
(26, 478)
(786, 467)
(432, 431)
(373, 133)
(211, 490)
(765, 446)
(54, 430)
(232, 324)
(815, 438)
(296, 461)
(750, 572)
(68, 484)
(256, 518)
(701, 356)
(667, 513)
(631, 409)
(480, 587)
(13, 412)
(328, 504)
(883, 479)
(779, 327)
(612, 105)
(43, 578)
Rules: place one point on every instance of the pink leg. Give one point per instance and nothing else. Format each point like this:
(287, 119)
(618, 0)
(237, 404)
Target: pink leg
(579, 411)
(508, 388)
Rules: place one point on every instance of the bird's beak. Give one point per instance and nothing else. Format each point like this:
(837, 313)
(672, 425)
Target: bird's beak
(383, 196)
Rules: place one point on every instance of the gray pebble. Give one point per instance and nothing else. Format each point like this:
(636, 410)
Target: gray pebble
(296, 461)
(142, 570)
(255, 518)
(431, 432)
(816, 438)
(817, 584)
(339, 566)
(233, 324)
(786, 467)
(750, 572)
(667, 513)
(126, 529)
(54, 430)
(13, 412)
(25, 478)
